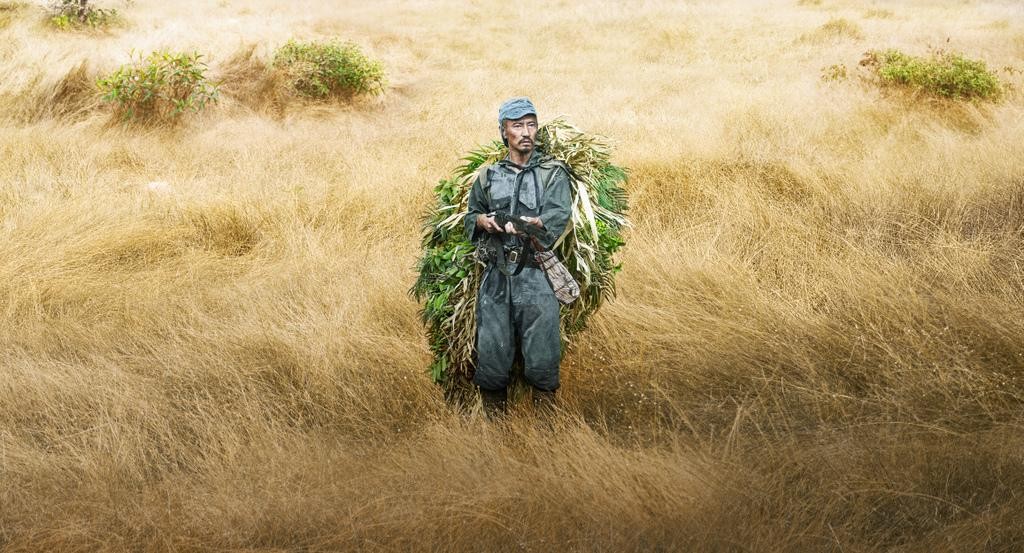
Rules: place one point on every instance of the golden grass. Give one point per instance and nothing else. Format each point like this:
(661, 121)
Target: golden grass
(818, 342)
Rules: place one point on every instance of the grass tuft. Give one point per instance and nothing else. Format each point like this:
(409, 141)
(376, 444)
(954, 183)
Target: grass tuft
(833, 30)
(879, 13)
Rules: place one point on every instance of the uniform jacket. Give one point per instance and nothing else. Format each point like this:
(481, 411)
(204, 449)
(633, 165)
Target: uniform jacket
(544, 191)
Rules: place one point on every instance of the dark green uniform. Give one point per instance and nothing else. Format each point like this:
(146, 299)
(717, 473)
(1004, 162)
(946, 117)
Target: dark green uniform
(519, 310)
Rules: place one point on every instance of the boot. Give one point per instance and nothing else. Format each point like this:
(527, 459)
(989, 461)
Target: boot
(494, 403)
(544, 403)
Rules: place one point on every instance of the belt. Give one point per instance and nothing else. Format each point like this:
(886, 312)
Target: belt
(514, 255)
(495, 253)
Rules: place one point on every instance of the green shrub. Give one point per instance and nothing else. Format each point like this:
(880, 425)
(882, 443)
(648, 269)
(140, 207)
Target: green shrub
(68, 14)
(159, 87)
(321, 69)
(943, 74)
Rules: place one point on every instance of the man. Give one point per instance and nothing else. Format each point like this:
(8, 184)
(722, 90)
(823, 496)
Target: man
(517, 310)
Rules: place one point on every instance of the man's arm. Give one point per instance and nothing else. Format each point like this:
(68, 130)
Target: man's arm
(476, 220)
(557, 207)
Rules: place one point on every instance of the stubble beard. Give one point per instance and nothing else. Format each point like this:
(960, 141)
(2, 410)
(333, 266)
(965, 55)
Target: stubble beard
(525, 150)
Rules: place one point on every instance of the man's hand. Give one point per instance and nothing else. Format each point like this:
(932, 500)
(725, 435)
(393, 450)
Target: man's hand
(487, 223)
(532, 221)
(510, 229)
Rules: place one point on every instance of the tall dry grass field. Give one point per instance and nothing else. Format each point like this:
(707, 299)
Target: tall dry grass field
(818, 342)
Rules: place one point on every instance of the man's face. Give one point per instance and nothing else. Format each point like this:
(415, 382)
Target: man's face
(521, 133)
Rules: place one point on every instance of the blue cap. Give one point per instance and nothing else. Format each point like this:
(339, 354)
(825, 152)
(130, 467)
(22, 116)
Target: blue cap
(514, 108)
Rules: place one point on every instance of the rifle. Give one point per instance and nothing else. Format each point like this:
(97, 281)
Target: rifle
(533, 232)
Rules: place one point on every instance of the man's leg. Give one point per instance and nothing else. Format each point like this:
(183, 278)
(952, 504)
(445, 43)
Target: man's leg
(537, 313)
(495, 347)
(494, 403)
(544, 403)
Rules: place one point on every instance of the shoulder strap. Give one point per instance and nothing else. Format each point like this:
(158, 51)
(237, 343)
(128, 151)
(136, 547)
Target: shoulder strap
(485, 173)
(550, 167)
